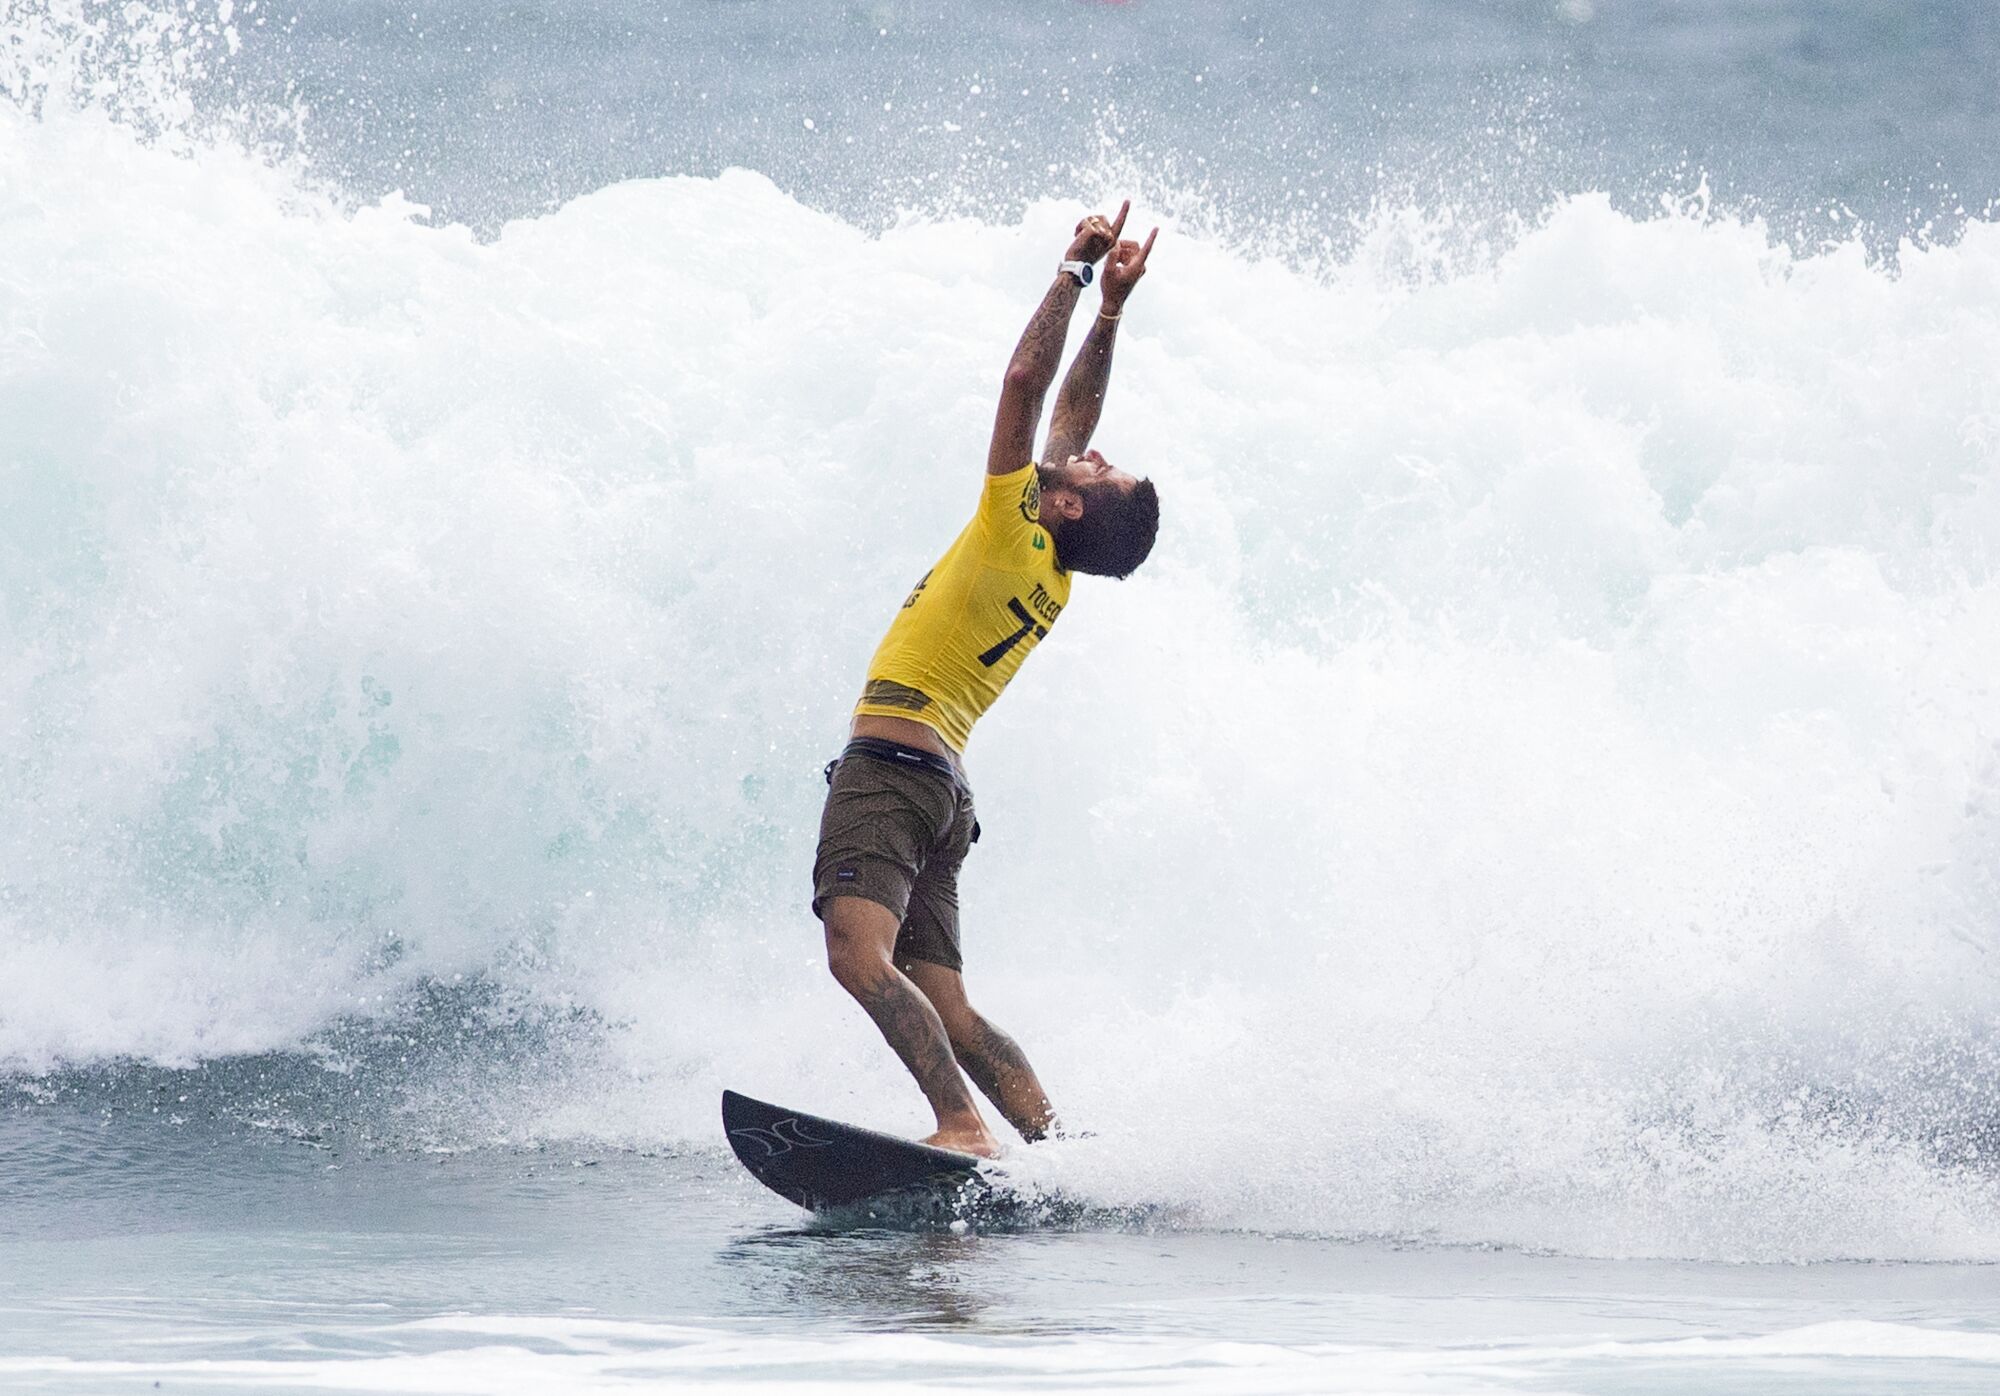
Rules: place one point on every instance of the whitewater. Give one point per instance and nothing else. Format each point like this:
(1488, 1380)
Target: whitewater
(1543, 796)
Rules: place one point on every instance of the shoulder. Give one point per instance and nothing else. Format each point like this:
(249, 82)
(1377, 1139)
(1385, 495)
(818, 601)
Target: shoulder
(1011, 505)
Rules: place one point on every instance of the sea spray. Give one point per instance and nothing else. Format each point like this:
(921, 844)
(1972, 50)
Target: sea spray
(1542, 792)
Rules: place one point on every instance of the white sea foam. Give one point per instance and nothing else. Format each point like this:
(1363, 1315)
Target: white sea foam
(1545, 790)
(509, 1353)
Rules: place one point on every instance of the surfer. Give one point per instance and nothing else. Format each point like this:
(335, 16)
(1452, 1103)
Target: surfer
(899, 815)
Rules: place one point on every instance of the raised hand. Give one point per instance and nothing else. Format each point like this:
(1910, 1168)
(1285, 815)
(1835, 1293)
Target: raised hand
(1095, 236)
(1127, 265)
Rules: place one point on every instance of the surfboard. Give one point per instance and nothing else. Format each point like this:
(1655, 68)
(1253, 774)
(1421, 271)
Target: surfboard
(827, 1166)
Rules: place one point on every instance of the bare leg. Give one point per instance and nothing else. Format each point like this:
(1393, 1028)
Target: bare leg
(860, 935)
(990, 1057)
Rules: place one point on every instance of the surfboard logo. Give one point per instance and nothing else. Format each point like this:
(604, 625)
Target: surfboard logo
(781, 1138)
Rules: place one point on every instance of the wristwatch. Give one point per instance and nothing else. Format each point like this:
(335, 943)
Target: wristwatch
(1080, 270)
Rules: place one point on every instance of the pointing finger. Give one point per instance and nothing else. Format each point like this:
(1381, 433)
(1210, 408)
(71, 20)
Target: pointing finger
(1118, 223)
(1146, 251)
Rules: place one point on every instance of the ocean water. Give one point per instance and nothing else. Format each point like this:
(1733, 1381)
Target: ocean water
(1512, 888)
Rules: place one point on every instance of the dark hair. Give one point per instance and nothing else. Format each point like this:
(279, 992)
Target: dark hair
(1114, 533)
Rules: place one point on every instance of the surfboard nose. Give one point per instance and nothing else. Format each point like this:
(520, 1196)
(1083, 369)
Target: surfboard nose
(821, 1163)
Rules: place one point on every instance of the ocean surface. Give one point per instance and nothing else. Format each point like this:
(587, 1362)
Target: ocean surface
(1512, 889)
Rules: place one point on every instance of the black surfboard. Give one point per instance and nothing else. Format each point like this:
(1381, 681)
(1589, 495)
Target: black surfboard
(826, 1166)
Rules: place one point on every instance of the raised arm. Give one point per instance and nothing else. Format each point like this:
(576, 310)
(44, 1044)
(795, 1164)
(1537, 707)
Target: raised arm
(1081, 401)
(1039, 354)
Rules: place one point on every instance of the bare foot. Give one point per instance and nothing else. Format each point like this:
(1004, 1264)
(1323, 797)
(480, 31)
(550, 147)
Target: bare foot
(978, 1142)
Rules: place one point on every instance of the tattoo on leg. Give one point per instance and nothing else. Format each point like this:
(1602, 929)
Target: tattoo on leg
(913, 1028)
(1000, 1069)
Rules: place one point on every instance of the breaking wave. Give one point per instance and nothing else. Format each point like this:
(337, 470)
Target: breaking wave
(1545, 791)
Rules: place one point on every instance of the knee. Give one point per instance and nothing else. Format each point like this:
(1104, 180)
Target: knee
(963, 1025)
(856, 959)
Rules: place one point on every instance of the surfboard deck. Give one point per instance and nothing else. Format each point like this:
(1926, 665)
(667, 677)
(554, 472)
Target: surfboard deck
(826, 1166)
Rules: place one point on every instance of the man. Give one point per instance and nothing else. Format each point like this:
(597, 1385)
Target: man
(899, 818)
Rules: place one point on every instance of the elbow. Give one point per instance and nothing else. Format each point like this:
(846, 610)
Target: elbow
(1022, 380)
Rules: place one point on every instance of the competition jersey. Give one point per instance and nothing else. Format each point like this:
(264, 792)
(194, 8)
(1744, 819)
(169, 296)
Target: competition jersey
(973, 618)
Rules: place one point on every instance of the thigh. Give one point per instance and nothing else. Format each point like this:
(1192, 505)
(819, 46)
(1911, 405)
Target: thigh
(879, 827)
(930, 925)
(860, 924)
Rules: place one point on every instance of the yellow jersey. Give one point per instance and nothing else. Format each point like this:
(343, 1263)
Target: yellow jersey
(972, 619)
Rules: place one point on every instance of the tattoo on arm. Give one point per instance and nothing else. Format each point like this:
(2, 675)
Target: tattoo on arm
(1081, 401)
(1029, 373)
(1039, 353)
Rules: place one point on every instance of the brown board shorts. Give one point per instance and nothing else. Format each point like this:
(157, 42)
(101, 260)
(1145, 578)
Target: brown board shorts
(898, 823)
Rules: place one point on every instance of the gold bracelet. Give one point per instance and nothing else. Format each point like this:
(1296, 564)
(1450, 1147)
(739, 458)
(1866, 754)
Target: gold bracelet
(1102, 316)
